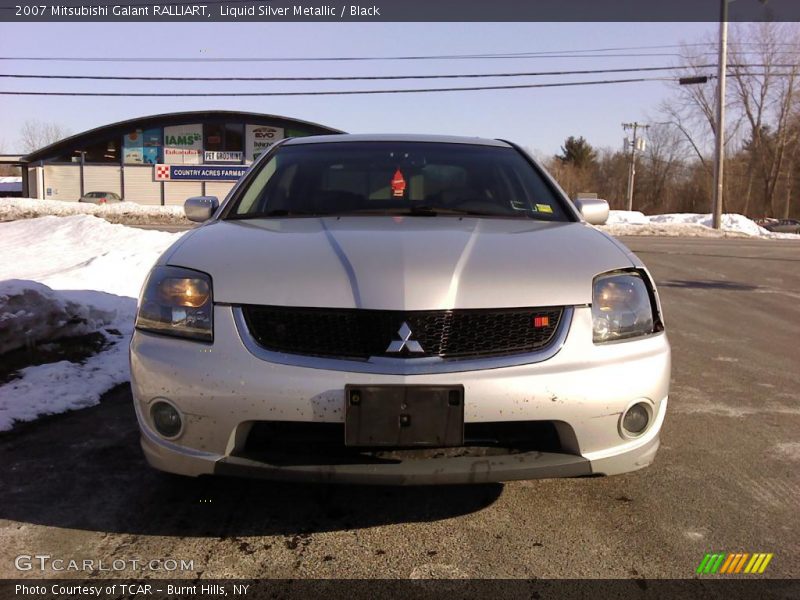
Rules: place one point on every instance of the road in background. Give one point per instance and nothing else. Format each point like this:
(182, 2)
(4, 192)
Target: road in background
(726, 478)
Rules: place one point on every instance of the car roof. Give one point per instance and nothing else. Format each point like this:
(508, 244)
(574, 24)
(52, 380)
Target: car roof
(396, 137)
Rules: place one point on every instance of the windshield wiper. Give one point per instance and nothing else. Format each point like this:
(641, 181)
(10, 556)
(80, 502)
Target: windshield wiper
(432, 211)
(279, 212)
(413, 211)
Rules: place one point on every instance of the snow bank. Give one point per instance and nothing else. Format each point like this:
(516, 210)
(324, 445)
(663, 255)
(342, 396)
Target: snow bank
(131, 213)
(31, 312)
(627, 217)
(62, 386)
(624, 222)
(96, 269)
(80, 253)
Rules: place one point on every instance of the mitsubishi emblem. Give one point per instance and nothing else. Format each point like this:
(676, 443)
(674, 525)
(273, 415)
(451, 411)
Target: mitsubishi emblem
(405, 341)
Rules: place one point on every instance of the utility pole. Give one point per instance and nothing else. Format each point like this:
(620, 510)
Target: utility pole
(719, 149)
(636, 145)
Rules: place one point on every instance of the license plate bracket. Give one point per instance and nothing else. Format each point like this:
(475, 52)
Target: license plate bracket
(404, 415)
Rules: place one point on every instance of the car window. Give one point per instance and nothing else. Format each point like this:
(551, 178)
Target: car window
(395, 177)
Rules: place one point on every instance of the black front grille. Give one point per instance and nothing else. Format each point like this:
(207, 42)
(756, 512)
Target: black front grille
(360, 334)
(302, 443)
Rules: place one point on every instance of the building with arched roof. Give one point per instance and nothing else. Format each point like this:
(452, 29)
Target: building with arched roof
(158, 159)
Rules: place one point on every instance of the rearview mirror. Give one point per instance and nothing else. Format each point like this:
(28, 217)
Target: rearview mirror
(594, 210)
(200, 208)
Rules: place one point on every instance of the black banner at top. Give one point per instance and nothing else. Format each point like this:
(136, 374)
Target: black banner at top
(278, 11)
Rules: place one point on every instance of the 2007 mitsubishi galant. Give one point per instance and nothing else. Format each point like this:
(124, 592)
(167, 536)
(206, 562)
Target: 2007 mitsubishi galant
(399, 310)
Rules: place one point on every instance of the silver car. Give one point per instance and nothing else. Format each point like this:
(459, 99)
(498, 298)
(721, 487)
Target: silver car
(100, 198)
(399, 310)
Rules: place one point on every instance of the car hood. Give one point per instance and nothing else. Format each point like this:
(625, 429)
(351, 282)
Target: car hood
(400, 263)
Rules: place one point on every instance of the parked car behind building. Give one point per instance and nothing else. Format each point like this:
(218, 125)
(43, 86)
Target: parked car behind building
(100, 198)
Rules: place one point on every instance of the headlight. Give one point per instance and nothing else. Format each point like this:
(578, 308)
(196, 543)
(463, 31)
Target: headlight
(178, 302)
(621, 307)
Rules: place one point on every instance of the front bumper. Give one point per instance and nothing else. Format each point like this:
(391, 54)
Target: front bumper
(223, 388)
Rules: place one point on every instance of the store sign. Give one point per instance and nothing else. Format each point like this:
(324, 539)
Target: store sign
(183, 144)
(258, 138)
(151, 154)
(198, 173)
(182, 156)
(152, 138)
(142, 147)
(213, 156)
(133, 148)
(133, 156)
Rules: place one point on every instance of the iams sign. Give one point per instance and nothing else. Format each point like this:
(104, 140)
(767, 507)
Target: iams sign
(188, 139)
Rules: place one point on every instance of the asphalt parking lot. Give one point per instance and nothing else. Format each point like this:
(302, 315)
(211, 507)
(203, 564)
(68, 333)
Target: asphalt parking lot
(726, 478)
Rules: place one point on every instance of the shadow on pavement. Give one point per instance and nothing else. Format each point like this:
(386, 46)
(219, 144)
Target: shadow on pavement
(85, 470)
(707, 284)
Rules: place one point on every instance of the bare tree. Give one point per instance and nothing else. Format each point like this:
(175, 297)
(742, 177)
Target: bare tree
(662, 162)
(762, 104)
(691, 110)
(766, 95)
(38, 134)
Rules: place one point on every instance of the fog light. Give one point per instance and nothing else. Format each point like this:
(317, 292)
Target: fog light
(166, 418)
(636, 419)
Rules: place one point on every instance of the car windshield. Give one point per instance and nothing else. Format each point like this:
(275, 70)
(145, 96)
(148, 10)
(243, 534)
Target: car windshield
(398, 178)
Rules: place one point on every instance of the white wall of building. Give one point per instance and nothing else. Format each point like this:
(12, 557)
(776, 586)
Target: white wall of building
(139, 185)
(105, 178)
(62, 182)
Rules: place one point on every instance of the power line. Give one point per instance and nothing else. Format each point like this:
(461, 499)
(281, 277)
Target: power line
(337, 92)
(251, 59)
(379, 77)
(344, 77)
(573, 53)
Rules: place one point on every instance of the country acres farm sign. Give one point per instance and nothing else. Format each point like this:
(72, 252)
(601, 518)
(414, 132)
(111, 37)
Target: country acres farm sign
(198, 172)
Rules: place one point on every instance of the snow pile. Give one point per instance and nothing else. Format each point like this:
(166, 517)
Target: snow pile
(97, 269)
(730, 222)
(62, 386)
(12, 209)
(626, 217)
(623, 222)
(31, 312)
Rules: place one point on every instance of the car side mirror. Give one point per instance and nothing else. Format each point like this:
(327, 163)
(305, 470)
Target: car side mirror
(200, 208)
(594, 210)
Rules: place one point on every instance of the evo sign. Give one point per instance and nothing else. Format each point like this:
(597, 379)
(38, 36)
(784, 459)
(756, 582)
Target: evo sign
(198, 173)
(258, 138)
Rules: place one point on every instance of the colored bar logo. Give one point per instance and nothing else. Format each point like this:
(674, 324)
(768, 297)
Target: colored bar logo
(733, 563)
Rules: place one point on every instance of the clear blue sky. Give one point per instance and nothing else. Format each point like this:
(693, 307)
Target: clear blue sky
(538, 118)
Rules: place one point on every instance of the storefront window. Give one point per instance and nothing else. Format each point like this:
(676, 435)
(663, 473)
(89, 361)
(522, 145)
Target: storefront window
(219, 137)
(103, 152)
(214, 137)
(234, 137)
